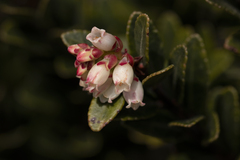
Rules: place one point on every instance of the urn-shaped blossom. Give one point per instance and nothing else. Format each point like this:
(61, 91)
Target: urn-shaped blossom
(123, 75)
(101, 39)
(100, 72)
(103, 87)
(109, 94)
(135, 96)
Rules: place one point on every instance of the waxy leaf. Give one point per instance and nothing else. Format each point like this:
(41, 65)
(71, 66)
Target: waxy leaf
(232, 43)
(226, 5)
(156, 126)
(155, 49)
(130, 33)
(219, 61)
(155, 78)
(197, 74)
(179, 58)
(144, 112)
(225, 101)
(141, 37)
(100, 114)
(172, 32)
(188, 122)
(212, 128)
(75, 37)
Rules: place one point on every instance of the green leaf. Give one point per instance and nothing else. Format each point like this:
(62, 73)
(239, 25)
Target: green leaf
(141, 37)
(188, 122)
(100, 114)
(219, 61)
(212, 128)
(197, 74)
(156, 126)
(75, 37)
(155, 49)
(130, 33)
(225, 101)
(179, 58)
(232, 42)
(144, 112)
(172, 32)
(155, 78)
(224, 4)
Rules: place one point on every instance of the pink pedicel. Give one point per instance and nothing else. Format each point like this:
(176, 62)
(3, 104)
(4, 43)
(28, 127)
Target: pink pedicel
(118, 44)
(130, 59)
(112, 60)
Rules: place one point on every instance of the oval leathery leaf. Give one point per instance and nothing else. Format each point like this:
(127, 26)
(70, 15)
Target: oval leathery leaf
(100, 114)
(141, 37)
(141, 113)
(232, 42)
(187, 122)
(156, 77)
(130, 33)
(212, 128)
(179, 57)
(197, 74)
(226, 5)
(225, 101)
(75, 37)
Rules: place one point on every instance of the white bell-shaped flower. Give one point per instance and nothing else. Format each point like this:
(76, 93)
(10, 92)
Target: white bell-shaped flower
(100, 72)
(109, 94)
(101, 39)
(97, 75)
(103, 87)
(123, 76)
(135, 96)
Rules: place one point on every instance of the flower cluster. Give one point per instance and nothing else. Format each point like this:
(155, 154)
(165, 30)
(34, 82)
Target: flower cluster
(105, 71)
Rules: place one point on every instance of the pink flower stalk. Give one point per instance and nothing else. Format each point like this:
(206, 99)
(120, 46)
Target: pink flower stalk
(123, 75)
(117, 47)
(76, 48)
(89, 54)
(101, 39)
(100, 72)
(135, 96)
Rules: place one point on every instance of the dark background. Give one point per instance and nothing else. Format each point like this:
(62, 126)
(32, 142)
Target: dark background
(43, 111)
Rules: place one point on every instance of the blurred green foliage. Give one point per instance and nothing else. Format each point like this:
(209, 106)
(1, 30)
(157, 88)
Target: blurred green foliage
(43, 111)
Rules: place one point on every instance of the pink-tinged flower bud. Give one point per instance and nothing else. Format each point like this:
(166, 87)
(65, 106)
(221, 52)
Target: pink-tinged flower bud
(76, 64)
(130, 59)
(82, 68)
(103, 87)
(89, 54)
(76, 48)
(123, 76)
(97, 75)
(101, 39)
(135, 96)
(109, 94)
(118, 45)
